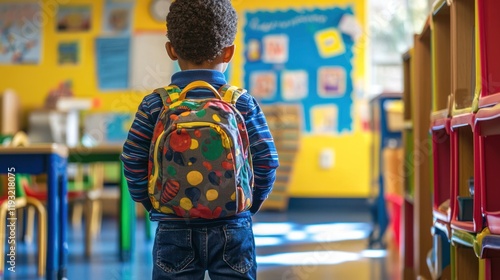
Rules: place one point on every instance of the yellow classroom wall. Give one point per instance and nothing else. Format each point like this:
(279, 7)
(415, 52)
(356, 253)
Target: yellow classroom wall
(348, 177)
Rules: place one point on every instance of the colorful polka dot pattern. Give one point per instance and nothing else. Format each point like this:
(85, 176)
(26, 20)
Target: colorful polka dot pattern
(203, 161)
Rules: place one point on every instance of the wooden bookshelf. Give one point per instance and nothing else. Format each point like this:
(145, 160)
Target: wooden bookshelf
(465, 129)
(418, 157)
(406, 249)
(422, 87)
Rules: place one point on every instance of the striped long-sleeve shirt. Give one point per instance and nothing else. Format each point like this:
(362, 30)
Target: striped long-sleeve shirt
(136, 148)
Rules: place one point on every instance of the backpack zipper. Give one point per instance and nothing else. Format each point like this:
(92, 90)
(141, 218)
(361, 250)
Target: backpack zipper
(153, 178)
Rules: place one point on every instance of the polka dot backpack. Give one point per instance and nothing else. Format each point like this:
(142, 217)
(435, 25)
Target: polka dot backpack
(200, 163)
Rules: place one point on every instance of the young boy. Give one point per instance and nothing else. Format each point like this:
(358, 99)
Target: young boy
(201, 35)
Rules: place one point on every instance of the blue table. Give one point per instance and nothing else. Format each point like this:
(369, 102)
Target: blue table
(50, 159)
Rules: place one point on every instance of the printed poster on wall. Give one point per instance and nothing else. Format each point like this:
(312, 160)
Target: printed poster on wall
(74, 18)
(303, 57)
(67, 53)
(21, 34)
(118, 17)
(113, 57)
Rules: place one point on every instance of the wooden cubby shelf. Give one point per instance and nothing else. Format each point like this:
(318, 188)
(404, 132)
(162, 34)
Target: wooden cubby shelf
(442, 204)
(463, 55)
(441, 59)
(408, 184)
(466, 264)
(467, 211)
(418, 196)
(464, 126)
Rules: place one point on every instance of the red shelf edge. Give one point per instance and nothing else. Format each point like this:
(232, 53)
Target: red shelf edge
(462, 120)
(467, 226)
(441, 216)
(488, 100)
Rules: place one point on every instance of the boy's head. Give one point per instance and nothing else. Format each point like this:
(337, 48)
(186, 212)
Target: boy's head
(201, 31)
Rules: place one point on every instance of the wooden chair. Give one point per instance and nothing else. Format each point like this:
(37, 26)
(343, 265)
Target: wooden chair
(85, 198)
(21, 201)
(85, 193)
(14, 187)
(26, 201)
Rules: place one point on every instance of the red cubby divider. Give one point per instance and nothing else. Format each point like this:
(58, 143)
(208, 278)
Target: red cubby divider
(492, 269)
(488, 131)
(489, 21)
(491, 165)
(441, 150)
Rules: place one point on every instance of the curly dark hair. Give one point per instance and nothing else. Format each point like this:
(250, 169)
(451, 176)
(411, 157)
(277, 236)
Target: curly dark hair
(200, 29)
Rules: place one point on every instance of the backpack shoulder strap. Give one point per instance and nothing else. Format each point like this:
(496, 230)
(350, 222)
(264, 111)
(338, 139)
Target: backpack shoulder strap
(230, 93)
(168, 95)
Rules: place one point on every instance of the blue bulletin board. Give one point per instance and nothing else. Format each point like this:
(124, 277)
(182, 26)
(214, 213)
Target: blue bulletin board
(303, 57)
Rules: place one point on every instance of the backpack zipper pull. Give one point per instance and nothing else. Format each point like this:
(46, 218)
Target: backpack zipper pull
(223, 135)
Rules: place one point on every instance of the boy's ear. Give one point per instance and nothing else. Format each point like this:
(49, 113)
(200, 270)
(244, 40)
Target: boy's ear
(170, 51)
(228, 54)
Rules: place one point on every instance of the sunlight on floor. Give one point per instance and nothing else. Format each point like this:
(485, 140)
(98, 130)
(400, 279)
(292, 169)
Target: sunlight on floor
(318, 257)
(273, 234)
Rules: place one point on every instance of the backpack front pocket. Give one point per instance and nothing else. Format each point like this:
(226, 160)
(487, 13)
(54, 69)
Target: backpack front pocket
(198, 172)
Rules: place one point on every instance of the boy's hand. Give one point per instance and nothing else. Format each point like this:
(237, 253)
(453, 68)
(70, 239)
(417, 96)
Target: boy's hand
(147, 204)
(256, 206)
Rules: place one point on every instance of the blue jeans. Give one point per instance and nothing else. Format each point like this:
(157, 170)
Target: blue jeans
(185, 251)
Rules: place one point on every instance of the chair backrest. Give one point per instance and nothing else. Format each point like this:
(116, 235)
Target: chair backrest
(9, 116)
(20, 139)
(21, 180)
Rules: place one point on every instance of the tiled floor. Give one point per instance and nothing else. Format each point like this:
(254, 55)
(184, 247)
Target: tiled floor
(296, 245)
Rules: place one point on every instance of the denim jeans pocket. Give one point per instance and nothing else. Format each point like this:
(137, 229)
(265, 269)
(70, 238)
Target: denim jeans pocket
(174, 250)
(239, 247)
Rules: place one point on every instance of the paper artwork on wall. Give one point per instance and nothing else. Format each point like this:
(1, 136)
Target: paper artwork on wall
(254, 52)
(21, 34)
(350, 25)
(275, 49)
(329, 42)
(294, 85)
(151, 67)
(67, 53)
(159, 9)
(263, 84)
(74, 18)
(331, 81)
(324, 118)
(118, 17)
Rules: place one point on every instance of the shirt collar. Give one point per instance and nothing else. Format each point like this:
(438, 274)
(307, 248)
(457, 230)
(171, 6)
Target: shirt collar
(213, 77)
